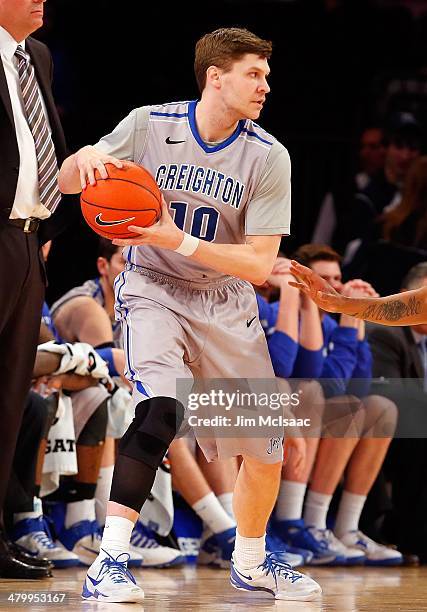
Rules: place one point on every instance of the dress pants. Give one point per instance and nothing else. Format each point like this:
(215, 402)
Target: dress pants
(22, 287)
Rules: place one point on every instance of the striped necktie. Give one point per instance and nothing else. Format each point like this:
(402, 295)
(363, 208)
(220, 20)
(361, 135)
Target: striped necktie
(45, 150)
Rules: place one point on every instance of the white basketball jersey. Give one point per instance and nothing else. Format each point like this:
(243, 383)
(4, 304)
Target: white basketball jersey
(217, 192)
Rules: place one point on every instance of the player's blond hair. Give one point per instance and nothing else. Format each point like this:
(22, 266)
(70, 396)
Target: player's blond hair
(223, 47)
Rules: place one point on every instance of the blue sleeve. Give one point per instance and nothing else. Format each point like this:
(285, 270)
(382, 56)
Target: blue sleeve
(362, 372)
(283, 351)
(281, 347)
(267, 315)
(308, 364)
(340, 361)
(342, 356)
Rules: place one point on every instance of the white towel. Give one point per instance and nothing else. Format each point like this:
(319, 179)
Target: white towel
(60, 458)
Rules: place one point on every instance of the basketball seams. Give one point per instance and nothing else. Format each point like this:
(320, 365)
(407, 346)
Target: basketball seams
(113, 178)
(130, 210)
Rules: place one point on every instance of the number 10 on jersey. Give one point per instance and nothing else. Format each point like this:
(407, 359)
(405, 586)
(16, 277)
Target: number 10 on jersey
(204, 220)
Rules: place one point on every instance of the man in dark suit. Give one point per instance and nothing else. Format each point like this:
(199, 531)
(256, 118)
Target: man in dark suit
(32, 146)
(400, 362)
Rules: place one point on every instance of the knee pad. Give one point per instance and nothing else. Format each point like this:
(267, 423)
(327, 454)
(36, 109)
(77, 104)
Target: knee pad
(93, 433)
(156, 423)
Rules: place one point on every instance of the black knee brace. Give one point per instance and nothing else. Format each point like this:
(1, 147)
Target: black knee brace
(93, 433)
(157, 421)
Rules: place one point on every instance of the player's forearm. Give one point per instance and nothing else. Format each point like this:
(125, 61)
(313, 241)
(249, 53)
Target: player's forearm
(69, 176)
(242, 260)
(310, 332)
(287, 317)
(45, 363)
(408, 308)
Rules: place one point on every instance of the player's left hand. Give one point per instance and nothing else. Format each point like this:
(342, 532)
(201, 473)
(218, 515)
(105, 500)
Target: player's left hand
(164, 234)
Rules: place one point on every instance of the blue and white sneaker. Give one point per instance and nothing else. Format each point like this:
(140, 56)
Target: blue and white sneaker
(34, 536)
(217, 549)
(274, 578)
(274, 545)
(108, 579)
(84, 540)
(375, 554)
(351, 554)
(295, 533)
(144, 544)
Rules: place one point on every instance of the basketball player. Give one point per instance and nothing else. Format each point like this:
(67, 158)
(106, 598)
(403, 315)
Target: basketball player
(406, 308)
(185, 299)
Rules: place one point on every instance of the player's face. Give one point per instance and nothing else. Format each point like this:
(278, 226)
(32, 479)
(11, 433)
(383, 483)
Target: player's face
(21, 17)
(244, 87)
(330, 271)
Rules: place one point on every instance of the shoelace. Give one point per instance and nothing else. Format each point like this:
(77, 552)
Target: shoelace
(277, 568)
(116, 569)
(324, 534)
(43, 539)
(44, 535)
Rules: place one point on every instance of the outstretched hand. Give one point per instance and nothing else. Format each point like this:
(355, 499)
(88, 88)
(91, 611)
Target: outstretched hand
(315, 287)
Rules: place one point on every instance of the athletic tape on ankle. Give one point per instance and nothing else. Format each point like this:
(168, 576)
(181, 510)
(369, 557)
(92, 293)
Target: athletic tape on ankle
(188, 245)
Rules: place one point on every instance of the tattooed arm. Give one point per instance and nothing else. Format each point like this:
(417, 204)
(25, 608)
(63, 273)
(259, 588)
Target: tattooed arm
(407, 308)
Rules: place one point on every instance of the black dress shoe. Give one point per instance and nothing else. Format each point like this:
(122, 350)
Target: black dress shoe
(10, 567)
(13, 567)
(21, 554)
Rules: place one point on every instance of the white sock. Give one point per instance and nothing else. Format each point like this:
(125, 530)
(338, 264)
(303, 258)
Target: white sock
(349, 511)
(316, 508)
(290, 500)
(83, 510)
(249, 552)
(213, 514)
(226, 501)
(116, 536)
(102, 493)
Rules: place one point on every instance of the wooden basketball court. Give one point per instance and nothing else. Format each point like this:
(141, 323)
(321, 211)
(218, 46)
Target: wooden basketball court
(190, 588)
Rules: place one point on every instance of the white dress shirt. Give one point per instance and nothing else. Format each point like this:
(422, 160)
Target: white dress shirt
(27, 200)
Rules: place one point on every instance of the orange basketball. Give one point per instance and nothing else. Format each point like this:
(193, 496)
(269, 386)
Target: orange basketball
(129, 196)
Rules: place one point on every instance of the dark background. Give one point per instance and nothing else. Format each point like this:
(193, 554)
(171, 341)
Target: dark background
(332, 65)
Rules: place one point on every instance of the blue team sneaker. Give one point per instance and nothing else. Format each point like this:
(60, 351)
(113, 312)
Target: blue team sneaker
(274, 545)
(84, 539)
(306, 555)
(143, 543)
(216, 550)
(276, 579)
(375, 554)
(108, 579)
(295, 533)
(34, 536)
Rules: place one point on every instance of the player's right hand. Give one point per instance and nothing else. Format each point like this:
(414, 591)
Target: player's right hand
(88, 159)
